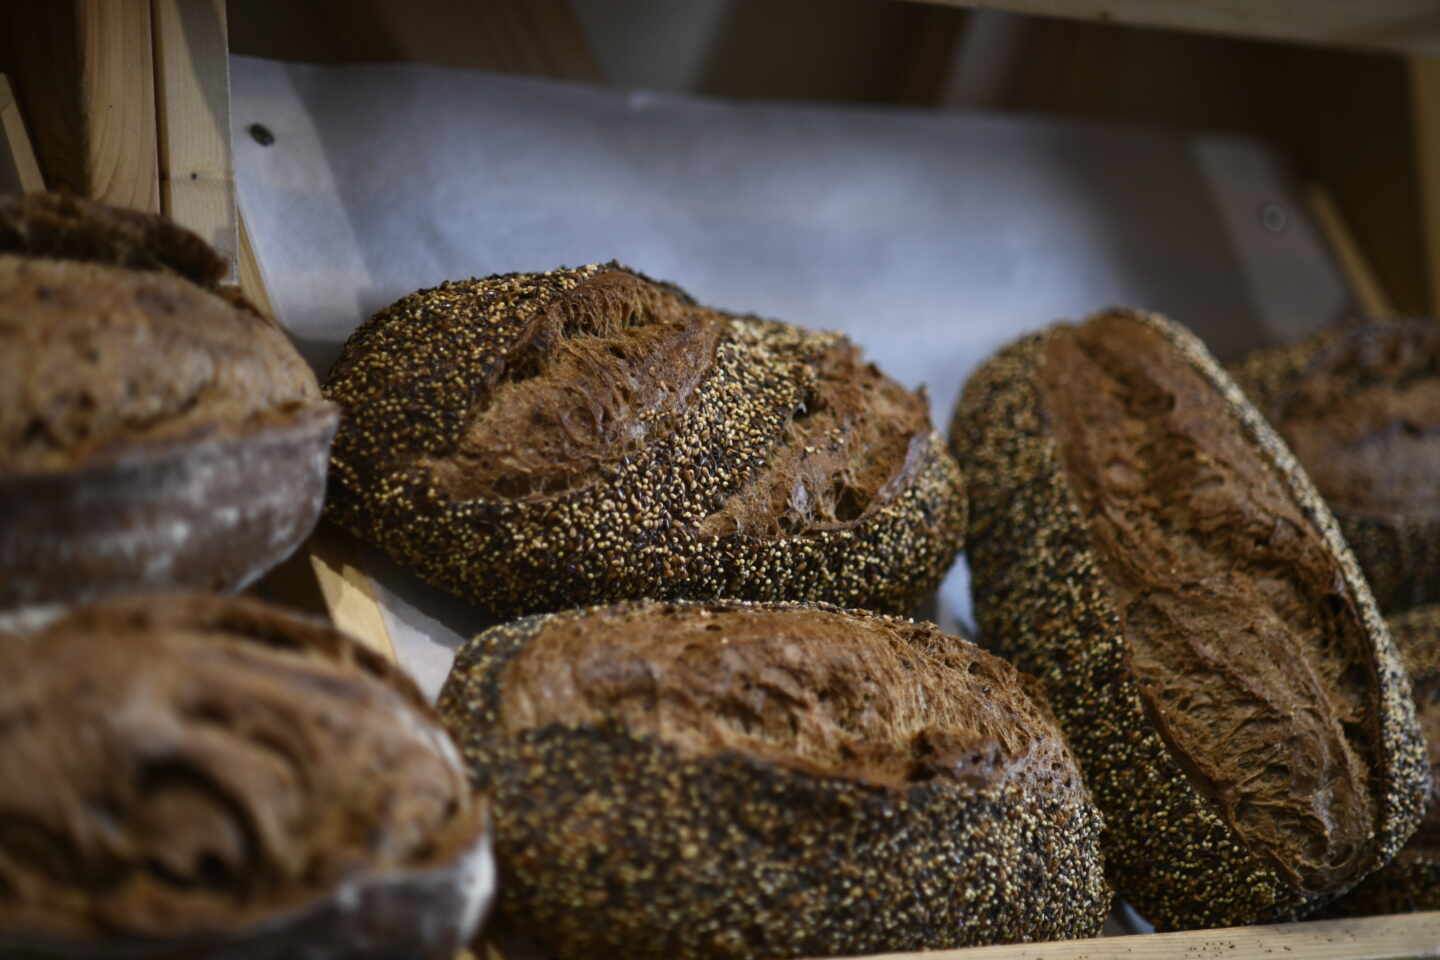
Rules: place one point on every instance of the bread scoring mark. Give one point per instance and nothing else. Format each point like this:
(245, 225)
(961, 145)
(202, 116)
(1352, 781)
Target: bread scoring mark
(852, 441)
(1249, 652)
(601, 372)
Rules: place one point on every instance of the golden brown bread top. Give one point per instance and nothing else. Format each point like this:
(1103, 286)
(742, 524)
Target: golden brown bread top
(1248, 648)
(96, 358)
(190, 763)
(874, 699)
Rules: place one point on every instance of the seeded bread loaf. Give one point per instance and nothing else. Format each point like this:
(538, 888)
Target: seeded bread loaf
(539, 441)
(153, 433)
(189, 776)
(734, 780)
(1412, 880)
(1143, 543)
(1360, 408)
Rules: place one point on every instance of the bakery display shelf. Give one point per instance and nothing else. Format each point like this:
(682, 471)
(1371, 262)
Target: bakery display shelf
(139, 104)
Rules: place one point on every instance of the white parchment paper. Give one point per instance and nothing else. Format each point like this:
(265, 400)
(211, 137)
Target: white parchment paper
(930, 238)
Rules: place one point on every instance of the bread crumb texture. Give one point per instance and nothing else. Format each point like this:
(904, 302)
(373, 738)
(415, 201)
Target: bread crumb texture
(1143, 542)
(770, 780)
(1360, 408)
(538, 441)
(192, 770)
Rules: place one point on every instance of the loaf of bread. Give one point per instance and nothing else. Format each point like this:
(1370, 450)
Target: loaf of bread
(1144, 544)
(190, 776)
(539, 441)
(746, 780)
(1360, 408)
(1412, 880)
(153, 433)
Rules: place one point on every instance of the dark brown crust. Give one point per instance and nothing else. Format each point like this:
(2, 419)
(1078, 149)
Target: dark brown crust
(153, 435)
(214, 511)
(613, 837)
(195, 775)
(1042, 597)
(613, 518)
(1412, 880)
(1360, 408)
(67, 227)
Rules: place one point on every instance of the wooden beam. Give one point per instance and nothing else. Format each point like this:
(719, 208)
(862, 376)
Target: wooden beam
(1400, 937)
(192, 83)
(1374, 303)
(1425, 110)
(1410, 26)
(83, 74)
(17, 156)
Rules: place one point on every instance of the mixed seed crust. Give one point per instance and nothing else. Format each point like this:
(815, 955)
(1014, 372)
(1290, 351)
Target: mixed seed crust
(731, 786)
(1046, 597)
(1412, 880)
(537, 441)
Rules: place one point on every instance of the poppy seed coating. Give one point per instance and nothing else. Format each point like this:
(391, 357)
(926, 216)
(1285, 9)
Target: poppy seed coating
(730, 785)
(1182, 844)
(537, 441)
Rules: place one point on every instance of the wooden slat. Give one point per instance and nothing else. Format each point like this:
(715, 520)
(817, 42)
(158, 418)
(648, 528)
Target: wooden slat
(83, 74)
(1374, 303)
(1411, 26)
(1404, 937)
(84, 77)
(19, 155)
(192, 81)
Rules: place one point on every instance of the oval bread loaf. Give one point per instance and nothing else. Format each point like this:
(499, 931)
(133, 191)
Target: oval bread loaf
(1412, 880)
(153, 433)
(1360, 408)
(1144, 544)
(538, 441)
(204, 777)
(734, 780)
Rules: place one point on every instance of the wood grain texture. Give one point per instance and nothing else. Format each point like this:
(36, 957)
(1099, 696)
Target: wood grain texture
(18, 158)
(1411, 26)
(1405, 937)
(85, 79)
(192, 84)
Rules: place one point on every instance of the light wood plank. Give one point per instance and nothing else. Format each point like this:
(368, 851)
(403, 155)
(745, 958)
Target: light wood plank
(251, 277)
(197, 180)
(15, 141)
(1411, 26)
(1374, 303)
(348, 591)
(1403, 937)
(118, 103)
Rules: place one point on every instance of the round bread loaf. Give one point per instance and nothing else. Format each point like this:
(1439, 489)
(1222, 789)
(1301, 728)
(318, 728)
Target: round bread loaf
(190, 776)
(1360, 408)
(1144, 544)
(539, 441)
(1412, 880)
(153, 433)
(746, 780)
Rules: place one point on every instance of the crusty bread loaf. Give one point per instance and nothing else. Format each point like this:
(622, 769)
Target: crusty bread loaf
(152, 432)
(538, 441)
(1412, 880)
(747, 780)
(1360, 408)
(1144, 543)
(203, 777)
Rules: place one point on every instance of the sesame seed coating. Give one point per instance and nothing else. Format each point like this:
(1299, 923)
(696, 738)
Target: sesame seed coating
(415, 378)
(613, 839)
(1043, 599)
